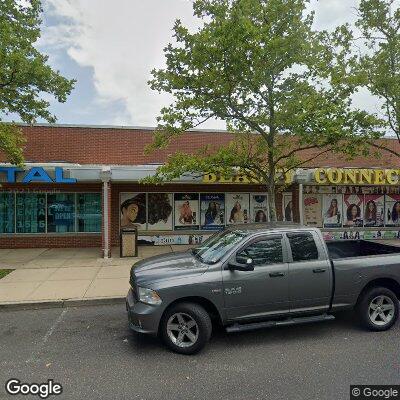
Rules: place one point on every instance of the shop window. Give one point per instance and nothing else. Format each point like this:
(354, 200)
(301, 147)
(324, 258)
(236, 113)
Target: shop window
(31, 213)
(61, 212)
(7, 213)
(89, 212)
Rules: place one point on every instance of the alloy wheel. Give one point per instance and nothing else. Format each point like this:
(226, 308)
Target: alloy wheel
(381, 310)
(182, 330)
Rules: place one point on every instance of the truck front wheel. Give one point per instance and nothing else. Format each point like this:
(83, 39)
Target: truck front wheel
(378, 309)
(186, 328)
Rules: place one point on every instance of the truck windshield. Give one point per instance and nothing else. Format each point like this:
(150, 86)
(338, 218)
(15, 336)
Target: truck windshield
(215, 247)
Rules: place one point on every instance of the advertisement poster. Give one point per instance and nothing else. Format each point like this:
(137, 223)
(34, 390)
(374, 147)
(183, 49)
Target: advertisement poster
(312, 210)
(353, 210)
(159, 212)
(332, 210)
(374, 210)
(186, 211)
(133, 210)
(212, 211)
(392, 210)
(287, 207)
(259, 208)
(237, 208)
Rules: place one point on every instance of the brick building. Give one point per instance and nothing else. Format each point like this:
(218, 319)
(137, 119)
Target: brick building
(80, 187)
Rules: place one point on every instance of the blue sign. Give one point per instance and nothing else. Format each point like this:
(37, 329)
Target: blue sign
(36, 174)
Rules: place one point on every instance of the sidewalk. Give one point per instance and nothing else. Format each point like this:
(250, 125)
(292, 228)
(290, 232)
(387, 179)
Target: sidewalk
(72, 275)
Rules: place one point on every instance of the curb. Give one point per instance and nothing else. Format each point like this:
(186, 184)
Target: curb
(36, 305)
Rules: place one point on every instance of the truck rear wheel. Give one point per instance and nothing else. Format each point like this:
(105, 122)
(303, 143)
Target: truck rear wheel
(186, 328)
(378, 309)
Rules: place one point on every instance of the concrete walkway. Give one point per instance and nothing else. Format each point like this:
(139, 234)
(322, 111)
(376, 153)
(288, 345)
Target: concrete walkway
(54, 275)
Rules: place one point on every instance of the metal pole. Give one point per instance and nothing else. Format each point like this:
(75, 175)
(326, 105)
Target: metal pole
(106, 249)
(301, 204)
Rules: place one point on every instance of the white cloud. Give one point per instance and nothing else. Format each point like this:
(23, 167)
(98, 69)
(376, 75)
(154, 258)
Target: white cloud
(122, 40)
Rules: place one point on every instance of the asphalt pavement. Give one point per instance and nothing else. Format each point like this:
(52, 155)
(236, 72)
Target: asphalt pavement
(93, 355)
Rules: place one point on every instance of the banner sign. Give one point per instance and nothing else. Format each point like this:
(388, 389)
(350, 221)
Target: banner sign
(35, 174)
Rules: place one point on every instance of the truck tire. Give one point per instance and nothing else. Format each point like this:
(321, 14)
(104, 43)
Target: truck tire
(186, 328)
(378, 309)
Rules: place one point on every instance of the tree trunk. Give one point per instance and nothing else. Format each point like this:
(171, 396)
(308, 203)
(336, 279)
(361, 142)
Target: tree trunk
(271, 200)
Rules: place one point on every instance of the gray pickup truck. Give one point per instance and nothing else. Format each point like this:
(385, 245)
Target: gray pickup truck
(255, 276)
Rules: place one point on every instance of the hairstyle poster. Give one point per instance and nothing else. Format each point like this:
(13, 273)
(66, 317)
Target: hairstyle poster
(353, 209)
(212, 211)
(186, 211)
(259, 208)
(287, 207)
(374, 210)
(312, 208)
(332, 210)
(237, 208)
(392, 209)
(159, 211)
(133, 210)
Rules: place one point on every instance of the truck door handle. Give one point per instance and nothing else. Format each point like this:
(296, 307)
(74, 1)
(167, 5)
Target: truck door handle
(319, 270)
(276, 274)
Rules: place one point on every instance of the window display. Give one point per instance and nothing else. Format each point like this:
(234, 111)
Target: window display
(160, 211)
(332, 210)
(89, 212)
(212, 210)
(259, 208)
(7, 213)
(133, 210)
(61, 212)
(186, 211)
(237, 208)
(353, 209)
(392, 213)
(30, 213)
(374, 210)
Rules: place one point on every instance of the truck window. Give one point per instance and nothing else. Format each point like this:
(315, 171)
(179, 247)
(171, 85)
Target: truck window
(303, 246)
(265, 251)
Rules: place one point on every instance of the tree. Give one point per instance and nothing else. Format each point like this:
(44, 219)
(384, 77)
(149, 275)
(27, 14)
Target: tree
(279, 86)
(379, 65)
(24, 74)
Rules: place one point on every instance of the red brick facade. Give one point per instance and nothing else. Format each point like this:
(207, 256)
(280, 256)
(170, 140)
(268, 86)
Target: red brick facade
(125, 146)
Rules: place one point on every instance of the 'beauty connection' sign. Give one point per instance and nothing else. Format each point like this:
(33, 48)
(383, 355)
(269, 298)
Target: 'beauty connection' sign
(345, 176)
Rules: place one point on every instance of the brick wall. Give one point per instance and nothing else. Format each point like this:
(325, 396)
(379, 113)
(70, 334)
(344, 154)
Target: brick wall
(91, 145)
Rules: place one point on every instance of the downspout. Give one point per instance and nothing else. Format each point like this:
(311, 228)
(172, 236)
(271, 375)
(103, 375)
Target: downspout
(105, 176)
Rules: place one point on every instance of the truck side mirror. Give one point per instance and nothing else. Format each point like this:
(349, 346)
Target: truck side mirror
(248, 265)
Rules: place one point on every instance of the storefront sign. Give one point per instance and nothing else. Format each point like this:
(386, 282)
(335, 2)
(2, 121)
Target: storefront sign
(239, 178)
(36, 174)
(344, 176)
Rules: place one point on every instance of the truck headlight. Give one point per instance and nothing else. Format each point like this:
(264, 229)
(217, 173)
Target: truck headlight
(149, 296)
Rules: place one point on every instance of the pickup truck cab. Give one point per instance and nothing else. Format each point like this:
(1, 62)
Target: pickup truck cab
(262, 275)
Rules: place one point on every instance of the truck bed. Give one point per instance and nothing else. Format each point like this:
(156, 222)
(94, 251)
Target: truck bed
(359, 248)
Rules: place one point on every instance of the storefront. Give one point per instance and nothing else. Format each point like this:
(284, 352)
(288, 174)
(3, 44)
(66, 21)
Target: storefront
(80, 187)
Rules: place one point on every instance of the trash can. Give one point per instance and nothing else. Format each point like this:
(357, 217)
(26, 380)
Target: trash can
(128, 242)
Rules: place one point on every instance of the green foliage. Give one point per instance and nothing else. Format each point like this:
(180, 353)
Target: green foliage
(379, 66)
(24, 73)
(281, 88)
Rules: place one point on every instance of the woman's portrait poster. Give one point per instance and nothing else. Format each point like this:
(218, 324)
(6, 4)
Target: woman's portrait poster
(212, 211)
(332, 210)
(159, 211)
(374, 210)
(312, 210)
(392, 209)
(287, 207)
(186, 211)
(133, 210)
(353, 210)
(237, 208)
(259, 208)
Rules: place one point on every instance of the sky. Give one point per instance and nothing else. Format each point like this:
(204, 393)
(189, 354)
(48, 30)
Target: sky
(110, 47)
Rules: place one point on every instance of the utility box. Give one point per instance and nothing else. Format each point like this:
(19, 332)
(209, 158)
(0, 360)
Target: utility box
(128, 242)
